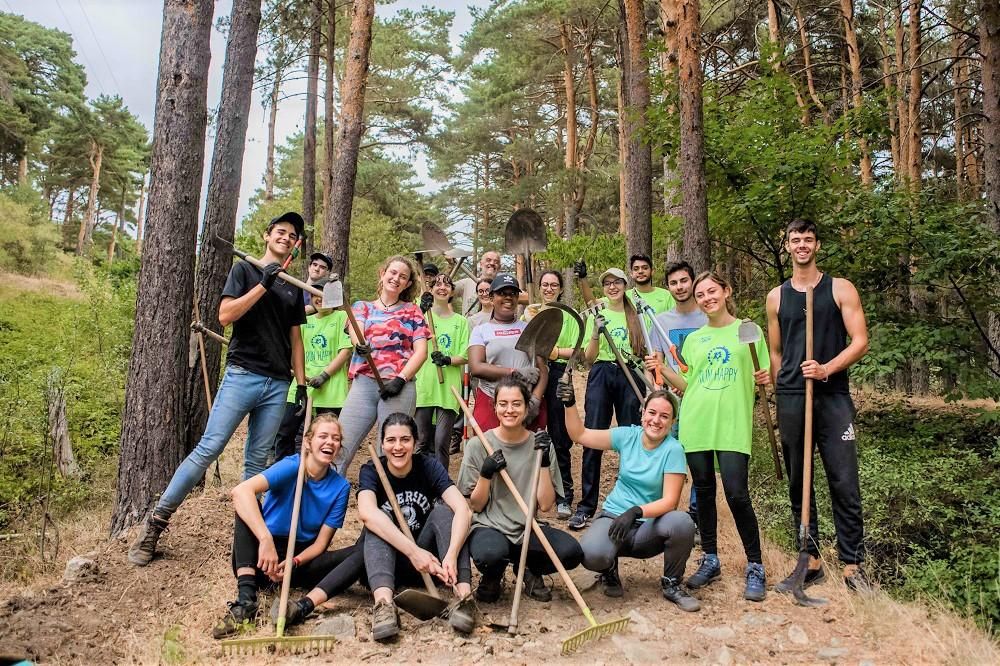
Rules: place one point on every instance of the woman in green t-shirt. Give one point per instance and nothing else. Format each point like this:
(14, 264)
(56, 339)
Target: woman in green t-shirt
(437, 408)
(716, 424)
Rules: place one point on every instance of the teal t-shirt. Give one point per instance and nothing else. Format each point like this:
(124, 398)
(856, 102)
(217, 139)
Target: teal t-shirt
(640, 472)
(452, 340)
(322, 338)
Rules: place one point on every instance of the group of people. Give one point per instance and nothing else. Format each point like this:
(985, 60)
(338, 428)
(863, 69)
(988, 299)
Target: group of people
(666, 364)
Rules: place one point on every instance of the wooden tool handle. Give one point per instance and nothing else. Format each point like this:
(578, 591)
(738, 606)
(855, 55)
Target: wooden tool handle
(359, 334)
(404, 527)
(807, 440)
(429, 316)
(253, 261)
(286, 579)
(525, 539)
(200, 328)
(762, 392)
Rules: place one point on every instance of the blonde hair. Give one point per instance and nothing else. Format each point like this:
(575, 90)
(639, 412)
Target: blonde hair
(719, 280)
(406, 295)
(326, 417)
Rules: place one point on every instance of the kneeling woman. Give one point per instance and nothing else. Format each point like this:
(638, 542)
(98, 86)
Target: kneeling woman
(498, 523)
(261, 532)
(437, 516)
(639, 517)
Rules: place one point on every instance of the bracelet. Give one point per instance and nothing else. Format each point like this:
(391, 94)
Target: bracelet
(826, 371)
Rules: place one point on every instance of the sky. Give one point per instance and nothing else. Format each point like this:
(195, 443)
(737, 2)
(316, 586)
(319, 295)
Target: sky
(118, 42)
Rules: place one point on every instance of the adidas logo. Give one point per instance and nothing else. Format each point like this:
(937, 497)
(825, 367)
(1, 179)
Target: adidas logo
(848, 435)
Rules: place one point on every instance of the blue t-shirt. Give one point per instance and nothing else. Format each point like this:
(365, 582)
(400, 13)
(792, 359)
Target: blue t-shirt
(640, 473)
(324, 502)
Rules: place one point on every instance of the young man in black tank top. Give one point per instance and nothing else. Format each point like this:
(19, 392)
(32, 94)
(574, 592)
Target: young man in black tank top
(837, 317)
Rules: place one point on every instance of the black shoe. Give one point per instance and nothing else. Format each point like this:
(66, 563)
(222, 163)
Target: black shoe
(294, 612)
(674, 593)
(239, 617)
(578, 521)
(611, 583)
(535, 587)
(489, 588)
(144, 547)
(857, 581)
(455, 442)
(385, 621)
(462, 617)
(813, 576)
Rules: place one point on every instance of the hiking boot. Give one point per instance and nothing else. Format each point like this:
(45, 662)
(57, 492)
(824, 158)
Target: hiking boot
(144, 547)
(579, 520)
(709, 569)
(675, 594)
(490, 587)
(385, 621)
(564, 510)
(240, 617)
(813, 576)
(295, 613)
(455, 442)
(756, 585)
(611, 583)
(462, 617)
(535, 587)
(856, 579)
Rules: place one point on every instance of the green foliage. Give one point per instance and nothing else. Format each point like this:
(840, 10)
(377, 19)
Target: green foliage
(27, 240)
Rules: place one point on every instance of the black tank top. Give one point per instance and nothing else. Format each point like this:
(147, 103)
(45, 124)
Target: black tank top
(829, 337)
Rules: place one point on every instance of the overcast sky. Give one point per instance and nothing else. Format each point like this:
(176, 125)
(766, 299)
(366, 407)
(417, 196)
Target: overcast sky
(118, 42)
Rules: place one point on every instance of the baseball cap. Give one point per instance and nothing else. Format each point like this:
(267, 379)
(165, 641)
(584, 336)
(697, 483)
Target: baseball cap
(504, 281)
(431, 269)
(325, 258)
(617, 272)
(292, 218)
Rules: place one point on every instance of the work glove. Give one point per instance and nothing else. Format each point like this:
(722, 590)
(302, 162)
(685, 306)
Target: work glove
(492, 464)
(534, 404)
(392, 388)
(600, 323)
(527, 375)
(621, 525)
(319, 379)
(300, 400)
(543, 442)
(565, 393)
(580, 269)
(363, 350)
(426, 302)
(440, 360)
(270, 274)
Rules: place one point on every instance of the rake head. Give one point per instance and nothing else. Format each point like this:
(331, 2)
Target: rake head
(290, 644)
(593, 632)
(798, 579)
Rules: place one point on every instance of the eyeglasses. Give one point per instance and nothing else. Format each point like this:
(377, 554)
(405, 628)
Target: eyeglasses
(442, 279)
(549, 285)
(612, 283)
(483, 292)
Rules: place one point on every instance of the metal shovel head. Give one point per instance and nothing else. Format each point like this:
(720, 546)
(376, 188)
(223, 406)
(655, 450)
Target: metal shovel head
(458, 253)
(749, 332)
(525, 233)
(420, 605)
(540, 335)
(434, 239)
(333, 295)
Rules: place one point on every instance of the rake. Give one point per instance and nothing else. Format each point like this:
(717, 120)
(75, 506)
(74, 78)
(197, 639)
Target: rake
(596, 629)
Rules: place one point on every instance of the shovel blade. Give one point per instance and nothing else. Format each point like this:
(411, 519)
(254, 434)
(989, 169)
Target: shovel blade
(540, 335)
(749, 332)
(434, 239)
(333, 295)
(525, 233)
(458, 253)
(420, 605)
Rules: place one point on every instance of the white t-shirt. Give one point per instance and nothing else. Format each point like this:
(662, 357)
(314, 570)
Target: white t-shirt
(464, 298)
(499, 340)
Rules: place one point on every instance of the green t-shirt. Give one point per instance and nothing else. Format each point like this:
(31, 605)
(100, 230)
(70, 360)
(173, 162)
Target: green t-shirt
(453, 340)
(617, 327)
(568, 335)
(659, 299)
(717, 410)
(322, 338)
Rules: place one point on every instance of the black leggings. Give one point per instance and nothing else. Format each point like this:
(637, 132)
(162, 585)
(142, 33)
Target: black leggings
(435, 439)
(492, 551)
(734, 468)
(332, 571)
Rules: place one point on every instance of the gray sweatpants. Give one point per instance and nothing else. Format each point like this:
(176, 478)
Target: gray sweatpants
(671, 534)
(364, 409)
(384, 564)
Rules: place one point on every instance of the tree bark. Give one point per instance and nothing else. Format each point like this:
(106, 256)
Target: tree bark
(989, 47)
(119, 227)
(89, 220)
(22, 169)
(890, 91)
(272, 119)
(807, 63)
(140, 217)
(857, 84)
(153, 423)
(570, 210)
(309, 143)
(336, 236)
(67, 224)
(639, 157)
(329, 126)
(697, 247)
(914, 149)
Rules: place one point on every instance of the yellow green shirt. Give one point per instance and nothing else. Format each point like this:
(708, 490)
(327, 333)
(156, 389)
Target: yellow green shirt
(322, 338)
(617, 327)
(452, 340)
(659, 299)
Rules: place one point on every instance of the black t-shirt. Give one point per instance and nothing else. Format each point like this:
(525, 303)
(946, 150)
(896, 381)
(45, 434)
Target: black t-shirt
(261, 340)
(415, 492)
(829, 337)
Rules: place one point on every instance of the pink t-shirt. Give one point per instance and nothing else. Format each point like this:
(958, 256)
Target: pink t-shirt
(391, 334)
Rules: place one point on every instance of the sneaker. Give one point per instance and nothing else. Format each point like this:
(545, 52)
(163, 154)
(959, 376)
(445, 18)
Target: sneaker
(294, 613)
(535, 587)
(578, 521)
(756, 585)
(709, 569)
(144, 547)
(385, 621)
(611, 583)
(813, 576)
(462, 617)
(856, 579)
(489, 589)
(239, 617)
(564, 510)
(675, 594)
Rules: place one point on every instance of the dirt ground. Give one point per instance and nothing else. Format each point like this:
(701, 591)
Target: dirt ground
(164, 613)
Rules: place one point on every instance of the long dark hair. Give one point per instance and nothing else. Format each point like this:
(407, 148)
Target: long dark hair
(400, 418)
(510, 381)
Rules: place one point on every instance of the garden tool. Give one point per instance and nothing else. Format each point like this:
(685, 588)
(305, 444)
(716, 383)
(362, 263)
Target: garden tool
(540, 335)
(217, 475)
(524, 234)
(198, 327)
(436, 243)
(640, 305)
(750, 334)
(594, 307)
(648, 310)
(429, 318)
(595, 630)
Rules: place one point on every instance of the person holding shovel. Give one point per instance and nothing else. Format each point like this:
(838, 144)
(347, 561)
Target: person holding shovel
(437, 517)
(716, 422)
(498, 523)
(437, 408)
(838, 317)
(265, 352)
(395, 338)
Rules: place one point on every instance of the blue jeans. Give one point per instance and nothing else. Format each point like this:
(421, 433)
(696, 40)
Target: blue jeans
(241, 393)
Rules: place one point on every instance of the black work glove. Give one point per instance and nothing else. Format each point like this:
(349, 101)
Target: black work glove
(565, 393)
(543, 442)
(392, 388)
(492, 464)
(534, 404)
(527, 375)
(270, 274)
(300, 399)
(621, 525)
(319, 379)
(426, 301)
(599, 324)
(580, 269)
(439, 359)
(362, 349)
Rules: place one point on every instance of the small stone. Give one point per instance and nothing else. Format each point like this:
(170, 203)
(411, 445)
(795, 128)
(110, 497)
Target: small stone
(341, 626)
(725, 657)
(834, 642)
(459, 641)
(640, 624)
(832, 653)
(722, 633)
(762, 619)
(797, 635)
(80, 568)
(634, 653)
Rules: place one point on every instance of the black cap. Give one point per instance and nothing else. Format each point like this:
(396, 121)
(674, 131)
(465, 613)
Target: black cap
(292, 218)
(504, 281)
(431, 269)
(325, 258)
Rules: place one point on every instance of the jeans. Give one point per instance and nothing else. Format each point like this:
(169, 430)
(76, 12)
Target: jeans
(241, 393)
(671, 534)
(289, 439)
(492, 552)
(364, 409)
(435, 438)
(734, 469)
(557, 429)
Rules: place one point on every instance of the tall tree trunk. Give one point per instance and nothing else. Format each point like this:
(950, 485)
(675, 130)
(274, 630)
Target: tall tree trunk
(222, 201)
(697, 248)
(915, 150)
(119, 227)
(639, 158)
(989, 47)
(140, 217)
(961, 99)
(336, 236)
(623, 146)
(669, 12)
(153, 424)
(89, 220)
(902, 108)
(857, 84)
(67, 225)
(309, 144)
(272, 119)
(22, 169)
(570, 210)
(890, 90)
(329, 126)
(808, 65)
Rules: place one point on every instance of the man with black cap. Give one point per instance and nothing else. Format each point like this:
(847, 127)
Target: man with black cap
(265, 351)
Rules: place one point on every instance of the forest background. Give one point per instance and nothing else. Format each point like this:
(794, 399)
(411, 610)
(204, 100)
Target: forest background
(682, 129)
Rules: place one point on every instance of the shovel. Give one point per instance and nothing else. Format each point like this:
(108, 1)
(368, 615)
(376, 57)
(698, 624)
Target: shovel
(524, 234)
(749, 334)
(540, 335)
(641, 306)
